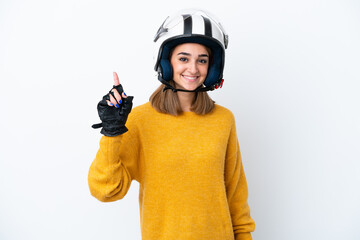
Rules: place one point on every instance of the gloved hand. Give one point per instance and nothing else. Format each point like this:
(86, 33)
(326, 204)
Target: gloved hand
(114, 110)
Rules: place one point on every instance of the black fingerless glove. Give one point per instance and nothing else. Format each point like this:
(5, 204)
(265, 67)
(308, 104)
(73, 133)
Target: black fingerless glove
(113, 119)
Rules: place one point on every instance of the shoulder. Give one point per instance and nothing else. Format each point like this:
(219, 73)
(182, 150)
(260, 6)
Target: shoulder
(227, 121)
(220, 118)
(223, 113)
(136, 119)
(141, 112)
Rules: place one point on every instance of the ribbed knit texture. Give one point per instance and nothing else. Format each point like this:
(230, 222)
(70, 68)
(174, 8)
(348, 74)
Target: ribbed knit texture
(192, 181)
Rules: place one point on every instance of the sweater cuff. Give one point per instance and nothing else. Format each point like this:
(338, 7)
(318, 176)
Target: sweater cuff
(243, 236)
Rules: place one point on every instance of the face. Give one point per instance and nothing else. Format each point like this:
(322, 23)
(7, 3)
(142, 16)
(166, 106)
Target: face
(190, 62)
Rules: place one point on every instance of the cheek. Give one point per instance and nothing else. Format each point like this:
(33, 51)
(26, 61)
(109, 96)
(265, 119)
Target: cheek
(173, 65)
(177, 68)
(204, 70)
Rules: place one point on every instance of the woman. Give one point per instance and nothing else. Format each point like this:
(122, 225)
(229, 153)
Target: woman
(181, 147)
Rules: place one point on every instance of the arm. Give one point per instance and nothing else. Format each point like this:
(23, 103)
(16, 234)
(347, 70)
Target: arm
(114, 167)
(116, 162)
(237, 191)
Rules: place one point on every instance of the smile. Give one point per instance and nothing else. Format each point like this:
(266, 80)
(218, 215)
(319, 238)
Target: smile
(190, 78)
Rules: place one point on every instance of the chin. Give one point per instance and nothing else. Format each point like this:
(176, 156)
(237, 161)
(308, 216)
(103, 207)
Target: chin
(188, 86)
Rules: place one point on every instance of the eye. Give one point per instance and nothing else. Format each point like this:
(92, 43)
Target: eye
(203, 61)
(183, 59)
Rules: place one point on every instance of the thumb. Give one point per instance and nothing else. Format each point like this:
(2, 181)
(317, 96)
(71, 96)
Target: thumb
(116, 79)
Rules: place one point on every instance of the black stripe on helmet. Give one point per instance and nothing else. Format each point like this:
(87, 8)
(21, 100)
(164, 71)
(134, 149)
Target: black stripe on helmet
(208, 31)
(187, 24)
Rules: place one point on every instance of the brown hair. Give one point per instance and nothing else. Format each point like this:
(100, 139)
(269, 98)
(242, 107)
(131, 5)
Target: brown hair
(168, 101)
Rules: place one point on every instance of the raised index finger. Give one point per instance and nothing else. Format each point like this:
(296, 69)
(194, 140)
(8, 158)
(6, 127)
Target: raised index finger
(116, 79)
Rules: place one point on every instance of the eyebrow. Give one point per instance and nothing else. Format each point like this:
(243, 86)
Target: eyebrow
(188, 54)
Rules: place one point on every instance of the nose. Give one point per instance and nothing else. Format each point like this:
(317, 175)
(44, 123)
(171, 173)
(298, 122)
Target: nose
(193, 67)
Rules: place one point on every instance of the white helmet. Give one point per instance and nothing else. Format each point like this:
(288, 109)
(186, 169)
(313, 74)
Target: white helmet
(194, 26)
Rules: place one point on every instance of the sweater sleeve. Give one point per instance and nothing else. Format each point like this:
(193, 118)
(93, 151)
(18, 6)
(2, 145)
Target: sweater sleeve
(237, 191)
(115, 166)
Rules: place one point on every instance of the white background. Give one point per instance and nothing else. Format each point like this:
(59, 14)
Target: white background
(291, 80)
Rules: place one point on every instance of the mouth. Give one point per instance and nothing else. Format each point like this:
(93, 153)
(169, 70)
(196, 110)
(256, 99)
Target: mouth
(190, 78)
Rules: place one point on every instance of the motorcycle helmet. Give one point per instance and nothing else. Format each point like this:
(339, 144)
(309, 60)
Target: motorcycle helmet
(191, 26)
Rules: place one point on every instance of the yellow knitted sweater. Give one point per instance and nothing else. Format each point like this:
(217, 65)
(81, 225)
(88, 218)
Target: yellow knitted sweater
(192, 181)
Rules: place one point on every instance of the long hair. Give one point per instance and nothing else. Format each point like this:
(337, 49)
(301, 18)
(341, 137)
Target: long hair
(168, 102)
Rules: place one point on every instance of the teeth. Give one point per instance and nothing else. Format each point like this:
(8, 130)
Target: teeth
(192, 78)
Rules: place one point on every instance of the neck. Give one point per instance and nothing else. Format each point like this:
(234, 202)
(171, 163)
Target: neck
(186, 99)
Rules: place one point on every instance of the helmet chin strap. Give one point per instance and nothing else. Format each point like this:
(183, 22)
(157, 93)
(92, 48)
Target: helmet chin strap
(168, 86)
